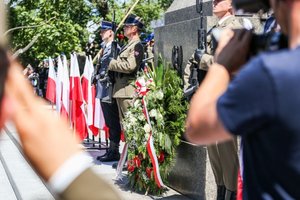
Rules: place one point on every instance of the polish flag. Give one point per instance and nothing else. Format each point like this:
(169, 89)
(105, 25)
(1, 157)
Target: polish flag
(76, 96)
(59, 83)
(51, 83)
(99, 121)
(65, 106)
(89, 94)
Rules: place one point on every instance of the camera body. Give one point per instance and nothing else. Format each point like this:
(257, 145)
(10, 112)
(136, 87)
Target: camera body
(251, 6)
(268, 42)
(34, 79)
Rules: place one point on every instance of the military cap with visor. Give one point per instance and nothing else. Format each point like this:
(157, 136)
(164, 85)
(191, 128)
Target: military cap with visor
(106, 25)
(133, 20)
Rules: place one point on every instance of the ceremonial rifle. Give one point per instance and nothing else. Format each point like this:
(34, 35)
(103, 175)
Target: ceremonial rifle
(177, 59)
(107, 79)
(198, 53)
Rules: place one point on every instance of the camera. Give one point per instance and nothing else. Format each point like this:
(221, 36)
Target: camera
(260, 42)
(251, 6)
(34, 79)
(268, 42)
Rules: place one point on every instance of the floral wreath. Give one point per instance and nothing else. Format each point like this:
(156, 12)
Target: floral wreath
(154, 125)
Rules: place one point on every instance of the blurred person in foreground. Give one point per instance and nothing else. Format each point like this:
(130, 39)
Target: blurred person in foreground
(261, 104)
(55, 154)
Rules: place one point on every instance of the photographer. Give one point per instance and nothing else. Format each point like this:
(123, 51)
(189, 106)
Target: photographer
(261, 105)
(34, 79)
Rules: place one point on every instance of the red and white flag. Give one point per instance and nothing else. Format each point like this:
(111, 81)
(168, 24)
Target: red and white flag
(89, 94)
(65, 105)
(51, 83)
(59, 83)
(99, 120)
(76, 96)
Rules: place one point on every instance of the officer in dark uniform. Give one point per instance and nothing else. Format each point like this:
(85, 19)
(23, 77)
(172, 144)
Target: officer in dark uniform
(110, 109)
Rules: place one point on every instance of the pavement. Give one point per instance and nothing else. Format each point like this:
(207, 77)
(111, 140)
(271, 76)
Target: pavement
(19, 181)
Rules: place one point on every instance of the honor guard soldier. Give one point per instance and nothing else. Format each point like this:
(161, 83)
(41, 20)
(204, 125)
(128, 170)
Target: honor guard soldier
(105, 79)
(223, 156)
(127, 64)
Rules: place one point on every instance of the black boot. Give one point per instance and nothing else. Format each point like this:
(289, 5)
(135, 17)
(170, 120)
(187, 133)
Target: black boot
(230, 195)
(112, 154)
(221, 190)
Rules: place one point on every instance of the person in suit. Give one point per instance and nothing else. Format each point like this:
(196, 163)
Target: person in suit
(222, 155)
(110, 109)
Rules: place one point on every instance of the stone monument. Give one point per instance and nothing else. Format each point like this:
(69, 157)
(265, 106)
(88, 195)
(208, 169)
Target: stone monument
(192, 174)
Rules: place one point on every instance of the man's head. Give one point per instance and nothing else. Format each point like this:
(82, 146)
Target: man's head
(106, 31)
(222, 8)
(132, 26)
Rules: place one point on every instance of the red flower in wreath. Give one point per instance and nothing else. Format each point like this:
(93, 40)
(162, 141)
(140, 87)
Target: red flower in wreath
(137, 161)
(161, 157)
(130, 166)
(149, 171)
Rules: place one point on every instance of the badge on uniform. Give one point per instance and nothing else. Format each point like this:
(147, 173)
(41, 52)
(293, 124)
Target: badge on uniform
(136, 53)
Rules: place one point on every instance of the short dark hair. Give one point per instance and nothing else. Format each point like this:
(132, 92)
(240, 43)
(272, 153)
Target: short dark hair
(4, 63)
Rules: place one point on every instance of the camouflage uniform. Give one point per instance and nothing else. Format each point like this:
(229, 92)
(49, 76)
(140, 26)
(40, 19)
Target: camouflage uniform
(126, 66)
(223, 156)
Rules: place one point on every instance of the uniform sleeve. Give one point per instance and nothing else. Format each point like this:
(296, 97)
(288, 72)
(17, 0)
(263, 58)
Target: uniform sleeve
(129, 62)
(249, 102)
(206, 61)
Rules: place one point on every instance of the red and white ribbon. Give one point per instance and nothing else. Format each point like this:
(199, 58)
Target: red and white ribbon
(142, 90)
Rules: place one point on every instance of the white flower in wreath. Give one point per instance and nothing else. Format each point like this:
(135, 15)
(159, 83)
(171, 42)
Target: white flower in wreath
(147, 128)
(128, 114)
(141, 117)
(133, 120)
(153, 113)
(159, 116)
(137, 104)
(160, 95)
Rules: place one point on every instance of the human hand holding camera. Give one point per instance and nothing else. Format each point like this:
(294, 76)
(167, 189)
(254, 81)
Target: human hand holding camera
(233, 49)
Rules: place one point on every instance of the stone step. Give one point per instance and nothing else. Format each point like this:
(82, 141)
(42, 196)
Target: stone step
(23, 179)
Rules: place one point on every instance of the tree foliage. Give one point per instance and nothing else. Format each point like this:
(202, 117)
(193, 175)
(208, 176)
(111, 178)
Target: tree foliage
(63, 25)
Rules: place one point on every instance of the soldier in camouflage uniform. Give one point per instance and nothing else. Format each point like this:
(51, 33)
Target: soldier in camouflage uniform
(223, 156)
(127, 64)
